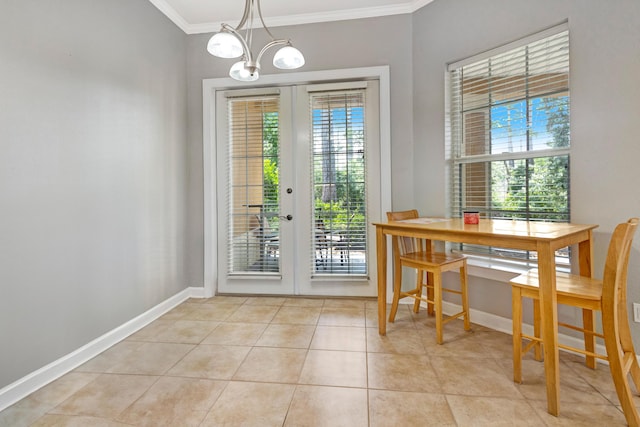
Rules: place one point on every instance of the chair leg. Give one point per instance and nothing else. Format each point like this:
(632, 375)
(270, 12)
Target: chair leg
(626, 343)
(416, 303)
(430, 307)
(516, 308)
(465, 296)
(537, 320)
(634, 371)
(617, 340)
(622, 385)
(626, 340)
(589, 326)
(397, 288)
(437, 299)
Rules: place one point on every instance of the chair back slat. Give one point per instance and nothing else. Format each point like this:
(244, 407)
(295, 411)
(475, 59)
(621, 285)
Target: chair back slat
(614, 286)
(405, 245)
(617, 262)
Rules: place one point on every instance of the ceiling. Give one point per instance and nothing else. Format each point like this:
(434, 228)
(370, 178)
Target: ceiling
(205, 16)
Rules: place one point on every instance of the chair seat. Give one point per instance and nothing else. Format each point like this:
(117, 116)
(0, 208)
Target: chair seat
(431, 259)
(567, 285)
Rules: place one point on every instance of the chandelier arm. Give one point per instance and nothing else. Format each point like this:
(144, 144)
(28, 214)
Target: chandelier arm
(245, 46)
(245, 14)
(262, 20)
(271, 44)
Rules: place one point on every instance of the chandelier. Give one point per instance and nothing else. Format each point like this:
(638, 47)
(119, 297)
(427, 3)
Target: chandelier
(229, 43)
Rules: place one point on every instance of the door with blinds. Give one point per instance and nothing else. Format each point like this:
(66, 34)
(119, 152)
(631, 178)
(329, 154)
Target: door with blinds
(296, 184)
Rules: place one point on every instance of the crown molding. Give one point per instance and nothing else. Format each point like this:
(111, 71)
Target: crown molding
(171, 13)
(417, 4)
(307, 18)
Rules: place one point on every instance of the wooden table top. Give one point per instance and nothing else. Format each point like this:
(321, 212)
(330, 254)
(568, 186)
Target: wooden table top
(490, 228)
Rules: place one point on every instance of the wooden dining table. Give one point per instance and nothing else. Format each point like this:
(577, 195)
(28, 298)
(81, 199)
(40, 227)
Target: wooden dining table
(545, 238)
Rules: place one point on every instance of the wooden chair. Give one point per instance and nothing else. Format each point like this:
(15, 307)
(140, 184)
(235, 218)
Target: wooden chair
(609, 296)
(413, 253)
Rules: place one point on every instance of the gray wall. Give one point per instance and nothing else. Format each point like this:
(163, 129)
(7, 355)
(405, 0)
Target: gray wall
(333, 45)
(92, 172)
(605, 104)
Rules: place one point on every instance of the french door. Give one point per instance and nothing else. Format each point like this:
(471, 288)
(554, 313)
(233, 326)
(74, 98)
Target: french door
(297, 184)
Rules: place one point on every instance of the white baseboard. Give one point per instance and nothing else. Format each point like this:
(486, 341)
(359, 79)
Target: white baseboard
(197, 292)
(43, 376)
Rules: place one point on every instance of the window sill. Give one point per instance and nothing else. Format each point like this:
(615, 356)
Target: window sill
(495, 269)
(500, 269)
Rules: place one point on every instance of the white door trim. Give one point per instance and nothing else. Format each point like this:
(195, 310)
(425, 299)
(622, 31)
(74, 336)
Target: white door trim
(209, 88)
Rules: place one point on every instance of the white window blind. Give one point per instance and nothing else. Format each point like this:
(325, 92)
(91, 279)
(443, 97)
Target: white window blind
(253, 184)
(508, 137)
(339, 188)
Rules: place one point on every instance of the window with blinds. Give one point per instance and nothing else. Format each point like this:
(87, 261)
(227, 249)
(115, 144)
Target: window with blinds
(338, 181)
(509, 134)
(253, 184)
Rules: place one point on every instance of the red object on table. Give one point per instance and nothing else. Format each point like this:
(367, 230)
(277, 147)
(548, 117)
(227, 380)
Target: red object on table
(471, 217)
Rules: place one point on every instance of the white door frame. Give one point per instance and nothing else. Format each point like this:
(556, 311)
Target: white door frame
(209, 89)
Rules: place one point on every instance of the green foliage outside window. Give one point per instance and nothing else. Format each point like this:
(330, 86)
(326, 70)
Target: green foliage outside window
(344, 212)
(536, 186)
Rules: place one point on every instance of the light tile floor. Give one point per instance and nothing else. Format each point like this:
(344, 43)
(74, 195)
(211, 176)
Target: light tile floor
(273, 361)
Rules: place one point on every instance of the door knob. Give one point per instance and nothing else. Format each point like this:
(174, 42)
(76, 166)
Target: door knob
(288, 217)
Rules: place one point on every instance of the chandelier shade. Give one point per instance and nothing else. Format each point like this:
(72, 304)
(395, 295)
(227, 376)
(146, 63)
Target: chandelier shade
(288, 58)
(225, 45)
(230, 43)
(239, 72)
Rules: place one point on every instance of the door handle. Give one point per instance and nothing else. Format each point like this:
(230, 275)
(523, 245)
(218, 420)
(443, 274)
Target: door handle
(288, 217)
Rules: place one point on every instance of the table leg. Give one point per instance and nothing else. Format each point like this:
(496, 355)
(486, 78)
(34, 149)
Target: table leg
(549, 317)
(430, 248)
(381, 257)
(585, 255)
